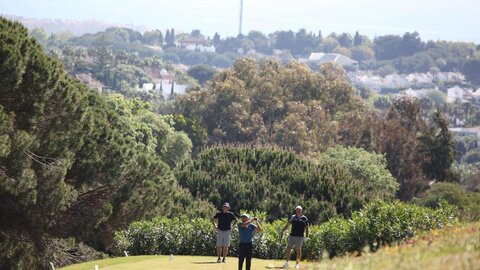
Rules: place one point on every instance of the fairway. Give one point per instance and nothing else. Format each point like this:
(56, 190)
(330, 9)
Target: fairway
(179, 262)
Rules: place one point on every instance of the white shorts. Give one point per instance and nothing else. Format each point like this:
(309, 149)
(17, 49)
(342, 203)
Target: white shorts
(223, 238)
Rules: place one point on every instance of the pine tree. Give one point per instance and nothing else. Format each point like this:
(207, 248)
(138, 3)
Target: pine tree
(74, 164)
(172, 38)
(357, 41)
(168, 38)
(216, 39)
(439, 147)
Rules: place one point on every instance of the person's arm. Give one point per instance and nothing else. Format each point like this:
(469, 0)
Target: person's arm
(213, 220)
(258, 228)
(284, 229)
(246, 223)
(307, 230)
(286, 226)
(234, 220)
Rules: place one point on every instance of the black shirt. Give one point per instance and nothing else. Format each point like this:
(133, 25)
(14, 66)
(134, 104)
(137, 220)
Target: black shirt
(298, 225)
(225, 220)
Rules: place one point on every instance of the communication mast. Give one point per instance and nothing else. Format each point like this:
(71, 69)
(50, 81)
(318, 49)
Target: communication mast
(241, 18)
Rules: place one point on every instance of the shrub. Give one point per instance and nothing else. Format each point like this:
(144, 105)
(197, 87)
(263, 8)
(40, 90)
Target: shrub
(466, 202)
(272, 180)
(377, 224)
(472, 156)
(380, 223)
(334, 236)
(369, 168)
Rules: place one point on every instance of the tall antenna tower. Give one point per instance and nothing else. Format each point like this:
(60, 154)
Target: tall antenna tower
(241, 18)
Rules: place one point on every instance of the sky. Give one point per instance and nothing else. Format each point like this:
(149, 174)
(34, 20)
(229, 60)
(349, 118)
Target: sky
(455, 20)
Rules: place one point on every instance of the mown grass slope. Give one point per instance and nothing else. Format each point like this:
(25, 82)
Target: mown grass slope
(178, 262)
(455, 248)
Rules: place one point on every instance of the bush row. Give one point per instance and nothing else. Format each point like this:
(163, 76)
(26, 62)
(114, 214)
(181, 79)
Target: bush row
(377, 224)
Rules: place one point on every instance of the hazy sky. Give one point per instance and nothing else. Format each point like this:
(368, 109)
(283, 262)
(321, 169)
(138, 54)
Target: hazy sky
(433, 19)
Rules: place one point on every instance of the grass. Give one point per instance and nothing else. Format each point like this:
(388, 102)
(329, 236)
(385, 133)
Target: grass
(178, 262)
(454, 248)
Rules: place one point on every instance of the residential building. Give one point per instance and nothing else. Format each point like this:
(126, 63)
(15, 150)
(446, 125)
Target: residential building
(476, 97)
(471, 132)
(198, 44)
(169, 89)
(323, 58)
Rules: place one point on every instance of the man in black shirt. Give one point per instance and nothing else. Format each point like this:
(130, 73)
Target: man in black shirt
(223, 222)
(300, 228)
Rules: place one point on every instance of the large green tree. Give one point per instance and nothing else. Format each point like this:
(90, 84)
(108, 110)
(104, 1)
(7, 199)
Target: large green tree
(202, 73)
(74, 164)
(440, 150)
(369, 168)
(269, 103)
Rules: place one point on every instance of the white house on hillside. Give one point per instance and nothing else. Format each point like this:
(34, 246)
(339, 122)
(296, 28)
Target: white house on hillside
(476, 96)
(473, 131)
(457, 93)
(198, 44)
(323, 58)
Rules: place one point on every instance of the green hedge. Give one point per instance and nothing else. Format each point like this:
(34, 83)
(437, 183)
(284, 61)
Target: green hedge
(377, 224)
(272, 180)
(467, 202)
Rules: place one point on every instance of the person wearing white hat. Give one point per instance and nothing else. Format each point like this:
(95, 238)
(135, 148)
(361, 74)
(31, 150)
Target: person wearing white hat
(298, 234)
(246, 229)
(223, 222)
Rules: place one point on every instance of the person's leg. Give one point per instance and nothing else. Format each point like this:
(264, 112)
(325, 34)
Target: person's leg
(219, 244)
(226, 244)
(241, 256)
(219, 252)
(248, 256)
(225, 252)
(298, 252)
(288, 253)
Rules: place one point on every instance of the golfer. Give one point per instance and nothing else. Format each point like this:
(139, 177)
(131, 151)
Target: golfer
(223, 222)
(300, 228)
(246, 230)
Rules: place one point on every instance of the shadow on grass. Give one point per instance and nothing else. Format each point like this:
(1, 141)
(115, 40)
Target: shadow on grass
(205, 263)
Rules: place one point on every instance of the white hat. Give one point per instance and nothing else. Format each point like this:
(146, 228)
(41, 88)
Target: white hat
(245, 215)
(298, 207)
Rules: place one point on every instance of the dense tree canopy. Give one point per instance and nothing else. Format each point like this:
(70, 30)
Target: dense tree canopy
(72, 163)
(269, 103)
(273, 181)
(370, 168)
(201, 73)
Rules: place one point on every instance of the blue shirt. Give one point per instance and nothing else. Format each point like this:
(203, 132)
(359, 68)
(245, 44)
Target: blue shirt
(246, 233)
